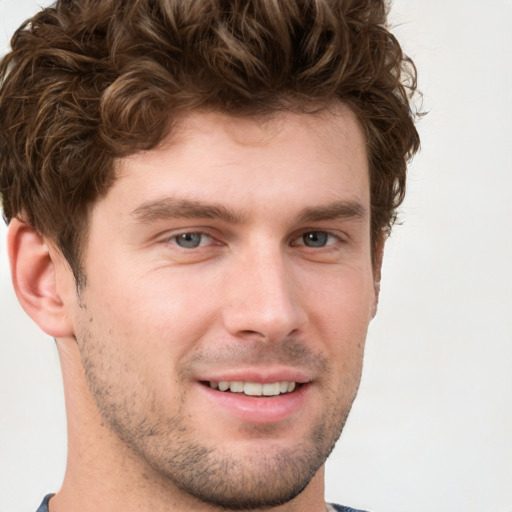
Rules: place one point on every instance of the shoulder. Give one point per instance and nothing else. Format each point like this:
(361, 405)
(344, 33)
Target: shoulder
(44, 505)
(341, 508)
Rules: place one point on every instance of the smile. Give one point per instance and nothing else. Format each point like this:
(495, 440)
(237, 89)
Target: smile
(254, 388)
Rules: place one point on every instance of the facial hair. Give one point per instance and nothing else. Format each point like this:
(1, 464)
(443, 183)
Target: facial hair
(178, 455)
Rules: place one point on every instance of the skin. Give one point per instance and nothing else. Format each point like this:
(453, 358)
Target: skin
(280, 287)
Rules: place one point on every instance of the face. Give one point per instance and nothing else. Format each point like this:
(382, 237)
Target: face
(229, 287)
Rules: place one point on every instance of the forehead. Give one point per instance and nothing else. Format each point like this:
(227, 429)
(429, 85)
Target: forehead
(285, 159)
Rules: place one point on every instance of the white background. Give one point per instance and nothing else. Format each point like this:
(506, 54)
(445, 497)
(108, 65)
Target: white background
(432, 426)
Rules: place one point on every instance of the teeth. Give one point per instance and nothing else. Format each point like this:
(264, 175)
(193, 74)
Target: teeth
(254, 388)
(271, 389)
(223, 385)
(237, 387)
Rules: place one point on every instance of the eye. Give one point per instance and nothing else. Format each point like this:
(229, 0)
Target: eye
(316, 239)
(191, 240)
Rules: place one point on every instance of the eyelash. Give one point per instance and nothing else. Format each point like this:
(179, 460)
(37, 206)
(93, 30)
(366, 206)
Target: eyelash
(329, 236)
(174, 239)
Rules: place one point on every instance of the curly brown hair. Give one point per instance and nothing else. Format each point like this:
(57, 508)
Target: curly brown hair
(90, 81)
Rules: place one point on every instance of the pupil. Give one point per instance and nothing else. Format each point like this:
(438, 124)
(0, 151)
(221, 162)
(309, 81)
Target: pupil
(189, 240)
(315, 239)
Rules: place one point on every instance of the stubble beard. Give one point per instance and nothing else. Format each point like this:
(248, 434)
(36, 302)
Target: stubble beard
(177, 456)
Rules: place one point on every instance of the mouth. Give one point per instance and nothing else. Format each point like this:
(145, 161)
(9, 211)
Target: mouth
(254, 388)
(259, 399)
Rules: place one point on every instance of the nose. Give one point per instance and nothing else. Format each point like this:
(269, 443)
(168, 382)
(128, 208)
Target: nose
(263, 297)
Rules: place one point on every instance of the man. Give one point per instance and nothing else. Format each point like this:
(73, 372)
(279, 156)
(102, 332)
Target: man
(198, 195)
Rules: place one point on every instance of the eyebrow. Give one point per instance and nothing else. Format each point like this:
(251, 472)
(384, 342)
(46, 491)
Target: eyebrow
(176, 208)
(339, 210)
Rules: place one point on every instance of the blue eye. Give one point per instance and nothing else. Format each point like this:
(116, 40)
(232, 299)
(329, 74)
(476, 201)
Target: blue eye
(316, 239)
(190, 240)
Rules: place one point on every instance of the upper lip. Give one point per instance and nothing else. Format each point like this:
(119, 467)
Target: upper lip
(263, 376)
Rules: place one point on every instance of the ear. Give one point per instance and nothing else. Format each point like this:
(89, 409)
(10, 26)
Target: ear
(377, 272)
(34, 279)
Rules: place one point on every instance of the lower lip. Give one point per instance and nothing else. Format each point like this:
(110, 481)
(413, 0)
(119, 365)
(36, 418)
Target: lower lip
(259, 410)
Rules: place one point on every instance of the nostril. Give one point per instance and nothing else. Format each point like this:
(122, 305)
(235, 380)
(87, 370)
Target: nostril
(249, 332)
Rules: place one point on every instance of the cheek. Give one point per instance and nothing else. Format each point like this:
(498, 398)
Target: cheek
(339, 315)
(342, 303)
(160, 316)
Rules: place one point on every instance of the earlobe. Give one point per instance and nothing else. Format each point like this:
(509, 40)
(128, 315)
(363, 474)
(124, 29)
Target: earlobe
(35, 281)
